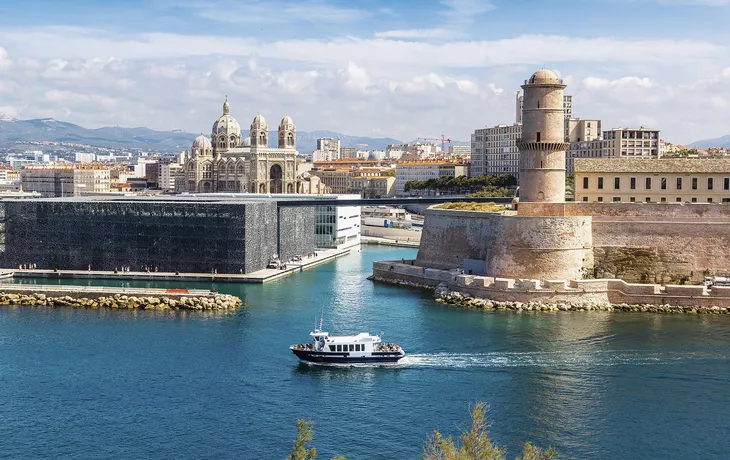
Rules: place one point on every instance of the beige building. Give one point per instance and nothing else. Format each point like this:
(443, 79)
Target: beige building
(626, 142)
(660, 180)
(71, 180)
(373, 182)
(338, 179)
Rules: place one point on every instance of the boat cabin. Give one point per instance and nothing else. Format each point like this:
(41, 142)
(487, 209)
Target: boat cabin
(363, 342)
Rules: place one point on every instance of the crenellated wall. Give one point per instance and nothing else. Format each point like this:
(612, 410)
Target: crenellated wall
(509, 245)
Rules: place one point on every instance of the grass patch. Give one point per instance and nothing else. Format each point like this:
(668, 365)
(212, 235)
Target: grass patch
(474, 206)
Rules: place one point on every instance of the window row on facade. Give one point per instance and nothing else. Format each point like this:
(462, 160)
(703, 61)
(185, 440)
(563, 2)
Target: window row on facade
(661, 183)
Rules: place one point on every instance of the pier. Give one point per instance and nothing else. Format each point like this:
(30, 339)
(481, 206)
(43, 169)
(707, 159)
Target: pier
(115, 297)
(261, 276)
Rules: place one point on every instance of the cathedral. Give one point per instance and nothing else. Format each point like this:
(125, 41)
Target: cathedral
(228, 163)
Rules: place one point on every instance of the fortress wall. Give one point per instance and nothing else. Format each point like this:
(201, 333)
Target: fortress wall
(656, 243)
(449, 237)
(642, 210)
(661, 250)
(510, 246)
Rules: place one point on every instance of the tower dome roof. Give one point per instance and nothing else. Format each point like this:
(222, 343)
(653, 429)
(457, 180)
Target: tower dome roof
(226, 124)
(202, 143)
(259, 120)
(286, 121)
(544, 76)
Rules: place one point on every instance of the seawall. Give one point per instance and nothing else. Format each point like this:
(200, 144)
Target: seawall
(454, 287)
(118, 298)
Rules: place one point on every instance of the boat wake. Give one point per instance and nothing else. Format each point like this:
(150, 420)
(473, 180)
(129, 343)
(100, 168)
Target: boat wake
(546, 359)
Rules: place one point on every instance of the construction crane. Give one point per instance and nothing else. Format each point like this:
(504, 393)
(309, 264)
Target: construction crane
(443, 140)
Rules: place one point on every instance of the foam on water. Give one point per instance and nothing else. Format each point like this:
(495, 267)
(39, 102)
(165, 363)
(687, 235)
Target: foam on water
(546, 359)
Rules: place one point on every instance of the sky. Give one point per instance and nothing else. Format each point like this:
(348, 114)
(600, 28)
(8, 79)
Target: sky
(395, 68)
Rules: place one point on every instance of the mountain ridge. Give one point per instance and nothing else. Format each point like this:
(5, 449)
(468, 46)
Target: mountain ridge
(723, 141)
(51, 130)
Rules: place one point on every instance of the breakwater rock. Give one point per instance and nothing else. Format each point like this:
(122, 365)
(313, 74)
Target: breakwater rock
(119, 301)
(443, 295)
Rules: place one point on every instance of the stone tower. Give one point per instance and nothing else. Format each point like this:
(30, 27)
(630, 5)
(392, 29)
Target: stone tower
(543, 146)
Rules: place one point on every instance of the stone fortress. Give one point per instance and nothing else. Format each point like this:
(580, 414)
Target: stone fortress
(228, 163)
(574, 244)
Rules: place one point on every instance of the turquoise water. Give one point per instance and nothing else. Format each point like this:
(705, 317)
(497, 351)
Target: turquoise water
(120, 384)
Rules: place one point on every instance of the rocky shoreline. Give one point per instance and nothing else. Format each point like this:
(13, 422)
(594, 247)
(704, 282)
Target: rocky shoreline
(442, 294)
(117, 301)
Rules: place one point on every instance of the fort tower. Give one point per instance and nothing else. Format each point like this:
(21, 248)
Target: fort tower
(543, 146)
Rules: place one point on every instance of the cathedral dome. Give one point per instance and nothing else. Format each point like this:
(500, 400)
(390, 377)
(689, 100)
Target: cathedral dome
(202, 143)
(544, 77)
(226, 124)
(246, 142)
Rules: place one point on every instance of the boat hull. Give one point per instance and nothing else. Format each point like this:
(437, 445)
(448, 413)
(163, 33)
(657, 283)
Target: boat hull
(346, 358)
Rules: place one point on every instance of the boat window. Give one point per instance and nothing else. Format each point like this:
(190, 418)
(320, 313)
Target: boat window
(352, 347)
(357, 347)
(332, 348)
(339, 347)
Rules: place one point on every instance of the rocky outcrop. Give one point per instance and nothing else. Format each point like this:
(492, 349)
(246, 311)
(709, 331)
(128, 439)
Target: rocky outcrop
(213, 302)
(442, 294)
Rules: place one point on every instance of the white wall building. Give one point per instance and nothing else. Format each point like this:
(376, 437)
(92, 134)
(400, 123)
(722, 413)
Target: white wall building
(337, 226)
(84, 157)
(331, 145)
(494, 150)
(405, 172)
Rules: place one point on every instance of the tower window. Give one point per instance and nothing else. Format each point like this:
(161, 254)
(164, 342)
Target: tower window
(616, 183)
(710, 183)
(538, 136)
(664, 183)
(600, 183)
(633, 183)
(726, 183)
(585, 182)
(694, 183)
(647, 184)
(679, 183)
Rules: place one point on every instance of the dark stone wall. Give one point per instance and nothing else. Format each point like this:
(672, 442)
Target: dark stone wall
(189, 237)
(260, 230)
(296, 231)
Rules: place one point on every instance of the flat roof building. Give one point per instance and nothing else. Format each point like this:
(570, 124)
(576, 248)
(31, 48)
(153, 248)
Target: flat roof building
(673, 180)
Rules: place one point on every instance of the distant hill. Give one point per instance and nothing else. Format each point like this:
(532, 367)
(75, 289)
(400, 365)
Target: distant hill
(723, 141)
(49, 129)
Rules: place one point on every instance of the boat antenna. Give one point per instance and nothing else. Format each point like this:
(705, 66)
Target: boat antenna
(321, 319)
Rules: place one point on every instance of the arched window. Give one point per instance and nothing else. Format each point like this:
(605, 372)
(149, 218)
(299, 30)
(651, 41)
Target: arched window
(240, 169)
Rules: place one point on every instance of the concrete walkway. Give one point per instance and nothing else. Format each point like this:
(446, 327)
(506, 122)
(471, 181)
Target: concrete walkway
(261, 276)
(389, 242)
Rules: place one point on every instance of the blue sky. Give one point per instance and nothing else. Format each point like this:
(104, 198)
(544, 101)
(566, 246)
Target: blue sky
(402, 69)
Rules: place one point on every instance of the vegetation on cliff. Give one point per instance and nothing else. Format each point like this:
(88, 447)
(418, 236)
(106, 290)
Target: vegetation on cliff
(474, 206)
(474, 443)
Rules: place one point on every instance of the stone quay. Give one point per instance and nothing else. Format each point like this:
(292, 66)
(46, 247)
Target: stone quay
(116, 298)
(488, 293)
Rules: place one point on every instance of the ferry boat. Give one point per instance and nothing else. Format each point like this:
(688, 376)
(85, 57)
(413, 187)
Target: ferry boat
(360, 348)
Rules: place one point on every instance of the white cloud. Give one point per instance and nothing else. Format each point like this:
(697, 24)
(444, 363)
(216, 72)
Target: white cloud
(436, 32)
(603, 83)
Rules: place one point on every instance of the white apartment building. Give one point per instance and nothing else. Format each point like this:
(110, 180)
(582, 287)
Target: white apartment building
(330, 145)
(464, 150)
(324, 155)
(426, 170)
(494, 150)
(83, 157)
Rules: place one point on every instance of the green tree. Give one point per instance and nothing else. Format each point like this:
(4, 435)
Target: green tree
(475, 443)
(305, 433)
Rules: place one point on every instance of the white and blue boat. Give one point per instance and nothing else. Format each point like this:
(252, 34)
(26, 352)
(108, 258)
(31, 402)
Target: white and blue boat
(353, 349)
